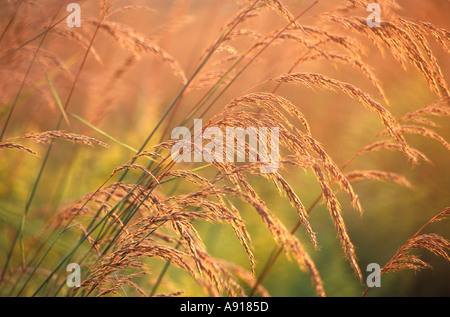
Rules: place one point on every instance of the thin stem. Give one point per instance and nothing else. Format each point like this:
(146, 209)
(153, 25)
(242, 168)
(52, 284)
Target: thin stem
(10, 20)
(163, 272)
(277, 251)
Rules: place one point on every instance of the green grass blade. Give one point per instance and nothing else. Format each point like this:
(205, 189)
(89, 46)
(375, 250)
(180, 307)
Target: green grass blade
(54, 93)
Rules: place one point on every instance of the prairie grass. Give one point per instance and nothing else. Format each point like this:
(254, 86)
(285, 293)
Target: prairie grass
(96, 185)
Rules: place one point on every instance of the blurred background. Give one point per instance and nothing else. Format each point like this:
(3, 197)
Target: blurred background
(125, 95)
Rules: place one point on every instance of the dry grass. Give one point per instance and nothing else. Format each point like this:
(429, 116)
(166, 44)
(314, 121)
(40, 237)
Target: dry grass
(127, 220)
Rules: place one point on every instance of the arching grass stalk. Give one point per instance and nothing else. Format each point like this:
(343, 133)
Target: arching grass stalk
(79, 243)
(216, 87)
(179, 95)
(259, 53)
(105, 228)
(277, 251)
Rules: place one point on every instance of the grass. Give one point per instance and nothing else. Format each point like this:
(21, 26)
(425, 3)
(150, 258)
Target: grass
(140, 225)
